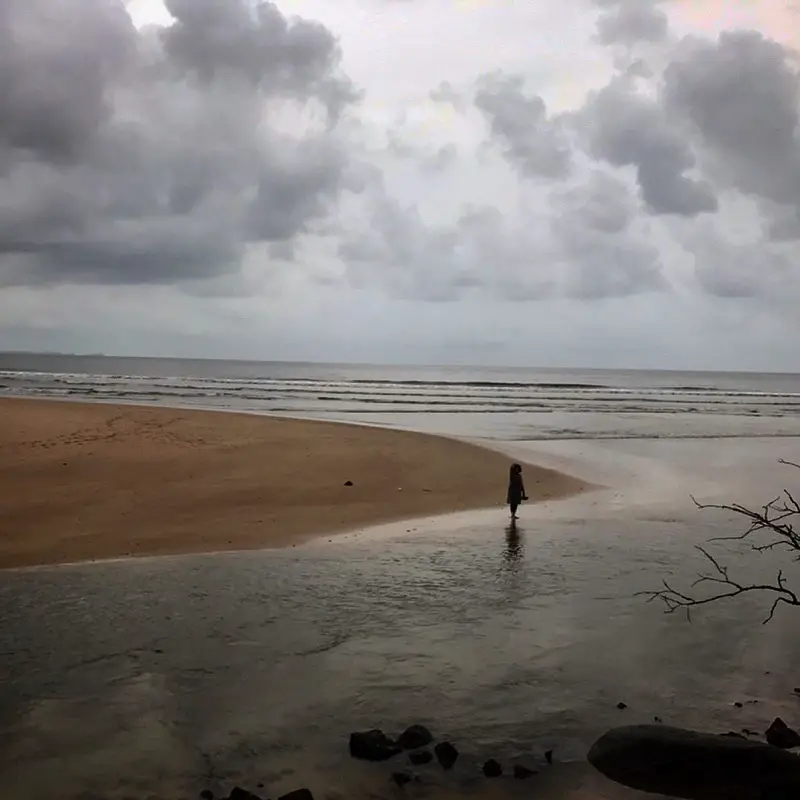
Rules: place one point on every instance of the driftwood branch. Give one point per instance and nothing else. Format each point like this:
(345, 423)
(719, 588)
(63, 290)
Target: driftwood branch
(769, 528)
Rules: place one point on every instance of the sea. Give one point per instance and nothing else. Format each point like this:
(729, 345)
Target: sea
(487, 402)
(167, 677)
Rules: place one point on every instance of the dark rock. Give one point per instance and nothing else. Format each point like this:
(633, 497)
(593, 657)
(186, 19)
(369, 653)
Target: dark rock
(421, 757)
(237, 793)
(298, 794)
(520, 772)
(779, 734)
(446, 754)
(372, 745)
(414, 737)
(622, 706)
(492, 769)
(733, 734)
(206, 795)
(348, 483)
(548, 756)
(748, 732)
(694, 766)
(401, 778)
(796, 689)
(657, 719)
(738, 705)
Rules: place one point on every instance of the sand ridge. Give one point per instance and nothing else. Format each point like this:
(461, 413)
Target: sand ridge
(85, 481)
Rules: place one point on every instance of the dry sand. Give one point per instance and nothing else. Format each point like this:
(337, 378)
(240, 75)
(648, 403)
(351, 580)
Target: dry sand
(90, 481)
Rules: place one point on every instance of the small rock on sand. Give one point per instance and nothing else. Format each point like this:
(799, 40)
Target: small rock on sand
(492, 769)
(237, 793)
(414, 737)
(421, 757)
(298, 794)
(446, 754)
(372, 745)
(779, 734)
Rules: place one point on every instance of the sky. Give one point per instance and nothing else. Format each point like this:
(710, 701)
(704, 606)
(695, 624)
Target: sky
(591, 183)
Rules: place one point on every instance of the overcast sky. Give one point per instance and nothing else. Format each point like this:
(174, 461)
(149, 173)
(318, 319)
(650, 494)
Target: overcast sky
(583, 183)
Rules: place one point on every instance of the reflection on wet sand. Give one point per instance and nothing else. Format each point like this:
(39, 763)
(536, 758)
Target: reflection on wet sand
(515, 547)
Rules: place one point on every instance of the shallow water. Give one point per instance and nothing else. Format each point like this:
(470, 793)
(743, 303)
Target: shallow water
(167, 676)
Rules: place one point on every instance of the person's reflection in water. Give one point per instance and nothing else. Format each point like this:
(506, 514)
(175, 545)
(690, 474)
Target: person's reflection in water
(514, 544)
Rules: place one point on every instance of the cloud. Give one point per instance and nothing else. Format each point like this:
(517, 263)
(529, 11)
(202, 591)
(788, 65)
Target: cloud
(220, 162)
(159, 155)
(626, 22)
(580, 241)
(741, 93)
(594, 224)
(518, 121)
(624, 127)
(445, 93)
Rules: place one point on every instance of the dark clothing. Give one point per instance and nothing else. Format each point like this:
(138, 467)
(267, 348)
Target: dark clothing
(516, 490)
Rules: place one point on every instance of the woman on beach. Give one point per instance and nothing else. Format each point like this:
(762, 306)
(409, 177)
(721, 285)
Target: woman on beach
(516, 489)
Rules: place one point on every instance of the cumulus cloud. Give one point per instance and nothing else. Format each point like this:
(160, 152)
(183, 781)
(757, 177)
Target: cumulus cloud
(628, 22)
(741, 94)
(518, 121)
(580, 241)
(158, 155)
(594, 224)
(625, 127)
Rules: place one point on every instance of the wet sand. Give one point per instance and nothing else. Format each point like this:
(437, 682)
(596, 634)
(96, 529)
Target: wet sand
(90, 481)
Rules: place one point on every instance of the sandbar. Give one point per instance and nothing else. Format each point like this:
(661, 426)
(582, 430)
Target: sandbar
(92, 481)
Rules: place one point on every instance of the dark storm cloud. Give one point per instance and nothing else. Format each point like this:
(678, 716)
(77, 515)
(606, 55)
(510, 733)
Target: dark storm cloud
(742, 95)
(149, 156)
(625, 128)
(627, 22)
(531, 141)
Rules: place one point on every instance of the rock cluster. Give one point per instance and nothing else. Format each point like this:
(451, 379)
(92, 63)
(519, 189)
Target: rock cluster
(375, 745)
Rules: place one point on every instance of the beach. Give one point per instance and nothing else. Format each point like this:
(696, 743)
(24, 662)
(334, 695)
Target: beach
(88, 481)
(167, 676)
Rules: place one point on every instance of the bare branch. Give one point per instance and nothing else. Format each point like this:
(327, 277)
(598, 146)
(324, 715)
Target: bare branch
(774, 521)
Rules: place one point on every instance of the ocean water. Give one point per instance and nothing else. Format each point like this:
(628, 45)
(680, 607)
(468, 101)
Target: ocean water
(157, 678)
(495, 403)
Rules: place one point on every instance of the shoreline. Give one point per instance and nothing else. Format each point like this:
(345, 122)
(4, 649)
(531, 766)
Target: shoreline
(95, 481)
